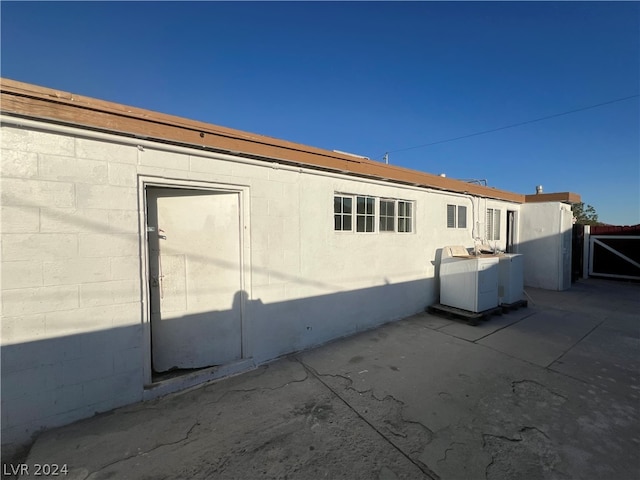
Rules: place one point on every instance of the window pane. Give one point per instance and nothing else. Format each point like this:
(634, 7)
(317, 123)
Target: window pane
(462, 217)
(337, 204)
(346, 204)
(451, 216)
(336, 222)
(401, 206)
(408, 209)
(369, 224)
(361, 206)
(370, 204)
(360, 223)
(346, 223)
(387, 217)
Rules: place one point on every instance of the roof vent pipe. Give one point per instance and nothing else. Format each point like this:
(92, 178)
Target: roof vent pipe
(538, 189)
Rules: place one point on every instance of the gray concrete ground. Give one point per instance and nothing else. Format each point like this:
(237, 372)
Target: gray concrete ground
(545, 392)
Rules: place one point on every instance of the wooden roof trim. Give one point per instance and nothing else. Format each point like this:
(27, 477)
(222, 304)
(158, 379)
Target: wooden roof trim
(43, 103)
(564, 197)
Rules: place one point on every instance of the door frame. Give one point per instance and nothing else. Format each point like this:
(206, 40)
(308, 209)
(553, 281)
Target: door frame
(511, 240)
(204, 374)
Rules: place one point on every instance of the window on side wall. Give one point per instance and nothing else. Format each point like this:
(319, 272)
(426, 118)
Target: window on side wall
(456, 216)
(391, 215)
(365, 214)
(342, 213)
(462, 216)
(405, 216)
(387, 215)
(493, 224)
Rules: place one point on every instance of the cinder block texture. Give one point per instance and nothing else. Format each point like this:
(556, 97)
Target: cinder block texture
(31, 192)
(42, 246)
(25, 140)
(70, 268)
(70, 169)
(106, 197)
(106, 151)
(24, 274)
(18, 164)
(23, 301)
(20, 219)
(163, 159)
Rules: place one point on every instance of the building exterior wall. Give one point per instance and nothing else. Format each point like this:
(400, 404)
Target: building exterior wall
(74, 272)
(545, 242)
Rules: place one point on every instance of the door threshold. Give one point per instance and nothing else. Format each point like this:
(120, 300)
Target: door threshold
(182, 380)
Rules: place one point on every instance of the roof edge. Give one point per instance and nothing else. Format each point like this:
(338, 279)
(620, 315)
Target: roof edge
(564, 197)
(50, 105)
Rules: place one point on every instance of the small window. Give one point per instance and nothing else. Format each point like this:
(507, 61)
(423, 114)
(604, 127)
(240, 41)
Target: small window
(392, 215)
(387, 215)
(462, 216)
(365, 214)
(456, 216)
(451, 216)
(405, 217)
(342, 213)
(493, 224)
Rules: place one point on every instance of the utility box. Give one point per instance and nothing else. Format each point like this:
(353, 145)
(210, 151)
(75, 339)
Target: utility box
(511, 278)
(468, 282)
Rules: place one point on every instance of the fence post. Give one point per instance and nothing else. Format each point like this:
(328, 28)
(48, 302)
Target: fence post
(585, 251)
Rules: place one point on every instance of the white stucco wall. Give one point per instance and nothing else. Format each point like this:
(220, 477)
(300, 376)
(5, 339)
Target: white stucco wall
(545, 241)
(75, 327)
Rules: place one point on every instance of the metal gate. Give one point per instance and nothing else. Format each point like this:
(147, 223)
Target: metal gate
(615, 256)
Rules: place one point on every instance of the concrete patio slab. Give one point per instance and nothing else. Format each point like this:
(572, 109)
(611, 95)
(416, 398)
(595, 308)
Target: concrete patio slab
(544, 336)
(608, 357)
(461, 328)
(407, 400)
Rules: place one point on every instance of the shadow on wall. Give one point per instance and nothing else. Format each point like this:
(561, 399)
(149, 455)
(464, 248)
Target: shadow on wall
(56, 381)
(548, 261)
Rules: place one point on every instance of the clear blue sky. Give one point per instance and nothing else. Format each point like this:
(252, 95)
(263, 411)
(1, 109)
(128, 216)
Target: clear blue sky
(371, 77)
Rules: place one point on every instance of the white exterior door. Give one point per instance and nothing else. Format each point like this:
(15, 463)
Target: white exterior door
(195, 280)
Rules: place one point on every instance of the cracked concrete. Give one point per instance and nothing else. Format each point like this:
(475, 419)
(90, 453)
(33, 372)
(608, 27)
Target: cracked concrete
(547, 392)
(528, 455)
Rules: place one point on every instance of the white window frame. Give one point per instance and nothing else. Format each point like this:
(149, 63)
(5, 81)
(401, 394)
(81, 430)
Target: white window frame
(493, 224)
(460, 216)
(387, 217)
(455, 218)
(410, 218)
(341, 213)
(401, 223)
(366, 215)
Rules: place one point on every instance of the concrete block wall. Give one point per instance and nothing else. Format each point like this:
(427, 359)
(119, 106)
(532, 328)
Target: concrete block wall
(73, 278)
(71, 332)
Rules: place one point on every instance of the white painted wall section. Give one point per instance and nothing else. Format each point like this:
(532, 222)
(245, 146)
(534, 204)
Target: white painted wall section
(75, 296)
(545, 242)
